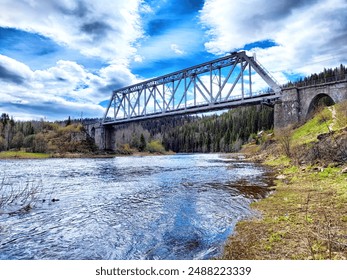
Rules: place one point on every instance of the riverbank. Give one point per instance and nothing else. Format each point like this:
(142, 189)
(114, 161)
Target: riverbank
(23, 155)
(28, 155)
(306, 216)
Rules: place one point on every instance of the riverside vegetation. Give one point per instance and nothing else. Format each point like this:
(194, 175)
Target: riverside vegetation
(40, 139)
(37, 139)
(306, 217)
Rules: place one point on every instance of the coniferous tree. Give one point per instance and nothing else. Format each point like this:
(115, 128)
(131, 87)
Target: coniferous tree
(143, 143)
(68, 122)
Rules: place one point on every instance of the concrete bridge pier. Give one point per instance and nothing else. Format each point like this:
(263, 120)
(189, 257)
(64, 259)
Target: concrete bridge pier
(287, 109)
(102, 135)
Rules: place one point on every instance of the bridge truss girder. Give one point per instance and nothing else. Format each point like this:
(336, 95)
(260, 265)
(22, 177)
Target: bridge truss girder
(205, 87)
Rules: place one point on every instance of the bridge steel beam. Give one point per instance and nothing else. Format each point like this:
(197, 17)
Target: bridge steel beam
(219, 84)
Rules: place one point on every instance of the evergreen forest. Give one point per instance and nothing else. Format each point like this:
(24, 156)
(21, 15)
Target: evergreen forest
(203, 134)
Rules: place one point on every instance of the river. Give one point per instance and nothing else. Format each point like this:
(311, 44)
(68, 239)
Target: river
(153, 207)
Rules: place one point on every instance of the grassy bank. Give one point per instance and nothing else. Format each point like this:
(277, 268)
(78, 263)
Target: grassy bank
(22, 155)
(306, 216)
(28, 155)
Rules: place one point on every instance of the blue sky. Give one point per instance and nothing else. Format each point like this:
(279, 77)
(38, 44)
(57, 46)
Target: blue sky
(64, 58)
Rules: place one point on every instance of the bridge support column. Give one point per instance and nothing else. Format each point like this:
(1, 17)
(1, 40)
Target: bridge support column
(109, 138)
(287, 109)
(102, 135)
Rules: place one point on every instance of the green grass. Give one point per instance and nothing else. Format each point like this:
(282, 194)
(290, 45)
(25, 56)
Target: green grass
(308, 132)
(275, 237)
(292, 170)
(22, 155)
(341, 115)
(278, 161)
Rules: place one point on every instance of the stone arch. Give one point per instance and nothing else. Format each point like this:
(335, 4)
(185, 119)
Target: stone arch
(318, 101)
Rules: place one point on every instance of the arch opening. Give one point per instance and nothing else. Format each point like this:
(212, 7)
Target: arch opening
(318, 102)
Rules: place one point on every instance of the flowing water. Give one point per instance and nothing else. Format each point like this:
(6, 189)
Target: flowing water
(160, 207)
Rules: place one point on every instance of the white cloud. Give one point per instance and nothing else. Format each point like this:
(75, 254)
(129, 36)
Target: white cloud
(65, 89)
(310, 34)
(105, 29)
(138, 58)
(176, 49)
(181, 40)
(13, 71)
(101, 29)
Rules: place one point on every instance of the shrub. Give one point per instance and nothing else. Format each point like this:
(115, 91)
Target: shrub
(124, 149)
(284, 136)
(18, 199)
(155, 146)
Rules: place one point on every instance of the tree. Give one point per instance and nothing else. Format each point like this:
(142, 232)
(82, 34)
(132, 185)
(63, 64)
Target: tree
(17, 140)
(4, 119)
(7, 126)
(68, 122)
(208, 142)
(28, 142)
(2, 144)
(135, 143)
(39, 143)
(143, 143)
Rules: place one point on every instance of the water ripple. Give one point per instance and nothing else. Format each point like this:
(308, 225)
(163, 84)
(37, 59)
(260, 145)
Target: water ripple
(162, 207)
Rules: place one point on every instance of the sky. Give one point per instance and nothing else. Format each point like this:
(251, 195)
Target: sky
(61, 58)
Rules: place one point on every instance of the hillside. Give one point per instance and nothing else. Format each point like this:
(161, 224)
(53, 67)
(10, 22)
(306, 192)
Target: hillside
(305, 217)
(30, 138)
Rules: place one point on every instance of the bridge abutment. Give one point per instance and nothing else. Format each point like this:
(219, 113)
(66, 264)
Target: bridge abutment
(296, 104)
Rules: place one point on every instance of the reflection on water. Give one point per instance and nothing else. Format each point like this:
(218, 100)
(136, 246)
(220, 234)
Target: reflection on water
(161, 207)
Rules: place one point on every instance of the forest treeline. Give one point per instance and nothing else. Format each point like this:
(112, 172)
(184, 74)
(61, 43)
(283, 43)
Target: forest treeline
(215, 133)
(43, 137)
(327, 75)
(205, 134)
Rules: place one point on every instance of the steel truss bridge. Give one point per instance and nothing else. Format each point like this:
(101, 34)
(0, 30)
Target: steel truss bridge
(219, 84)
